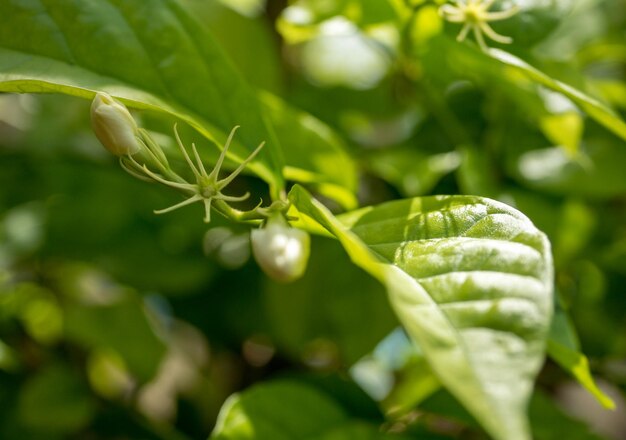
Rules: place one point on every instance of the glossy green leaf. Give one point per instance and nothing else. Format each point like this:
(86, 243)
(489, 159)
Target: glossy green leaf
(471, 280)
(290, 410)
(564, 349)
(151, 54)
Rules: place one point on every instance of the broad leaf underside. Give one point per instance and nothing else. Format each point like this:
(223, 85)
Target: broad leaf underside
(153, 55)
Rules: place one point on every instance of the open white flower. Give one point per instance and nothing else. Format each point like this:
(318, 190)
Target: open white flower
(476, 16)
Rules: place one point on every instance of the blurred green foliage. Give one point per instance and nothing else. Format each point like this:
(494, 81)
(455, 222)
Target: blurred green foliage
(118, 324)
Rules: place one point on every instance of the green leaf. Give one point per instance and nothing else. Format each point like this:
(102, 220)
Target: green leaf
(414, 173)
(289, 410)
(119, 47)
(279, 410)
(594, 108)
(236, 32)
(503, 73)
(149, 53)
(471, 280)
(563, 348)
(314, 153)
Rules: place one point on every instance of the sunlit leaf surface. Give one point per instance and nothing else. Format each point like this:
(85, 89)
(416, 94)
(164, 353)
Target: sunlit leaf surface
(471, 281)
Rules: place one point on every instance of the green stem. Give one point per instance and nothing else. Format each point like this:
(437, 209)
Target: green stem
(254, 216)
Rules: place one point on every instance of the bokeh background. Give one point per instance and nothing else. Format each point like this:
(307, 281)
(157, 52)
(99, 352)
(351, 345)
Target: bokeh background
(119, 324)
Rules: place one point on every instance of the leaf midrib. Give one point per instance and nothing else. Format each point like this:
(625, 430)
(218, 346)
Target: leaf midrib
(407, 295)
(385, 260)
(455, 329)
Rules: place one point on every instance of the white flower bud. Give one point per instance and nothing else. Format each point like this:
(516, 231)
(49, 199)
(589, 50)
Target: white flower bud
(114, 126)
(280, 250)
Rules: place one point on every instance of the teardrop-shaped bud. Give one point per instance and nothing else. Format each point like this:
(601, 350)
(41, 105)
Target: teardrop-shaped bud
(114, 126)
(280, 250)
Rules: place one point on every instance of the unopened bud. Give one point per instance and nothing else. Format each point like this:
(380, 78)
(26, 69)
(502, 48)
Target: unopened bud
(114, 126)
(280, 250)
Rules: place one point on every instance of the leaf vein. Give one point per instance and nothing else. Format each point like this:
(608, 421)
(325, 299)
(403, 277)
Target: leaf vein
(66, 42)
(460, 238)
(142, 45)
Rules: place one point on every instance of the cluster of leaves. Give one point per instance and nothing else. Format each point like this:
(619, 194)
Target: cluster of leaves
(420, 316)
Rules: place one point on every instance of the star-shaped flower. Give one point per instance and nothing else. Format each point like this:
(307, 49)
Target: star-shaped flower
(207, 186)
(476, 16)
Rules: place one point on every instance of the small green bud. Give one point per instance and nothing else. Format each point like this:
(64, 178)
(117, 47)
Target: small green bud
(280, 250)
(114, 126)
